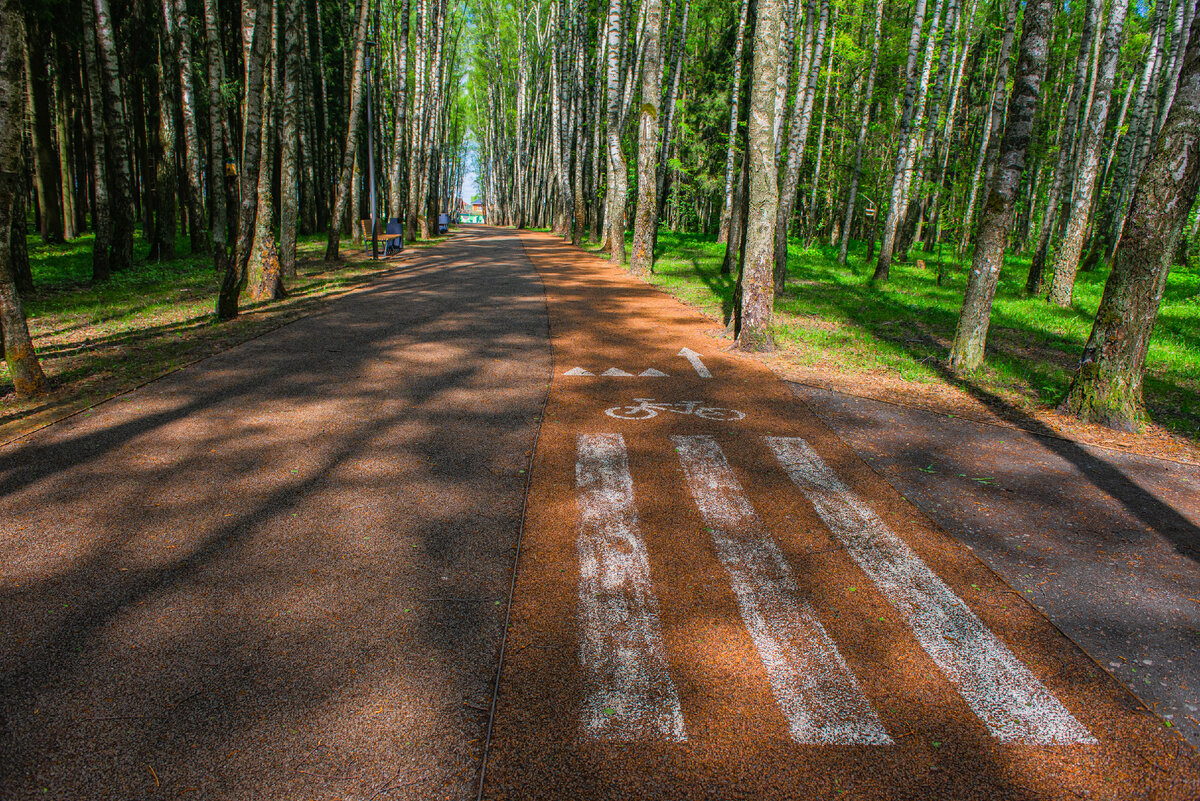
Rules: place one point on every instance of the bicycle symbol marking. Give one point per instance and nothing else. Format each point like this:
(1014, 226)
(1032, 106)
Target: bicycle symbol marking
(645, 408)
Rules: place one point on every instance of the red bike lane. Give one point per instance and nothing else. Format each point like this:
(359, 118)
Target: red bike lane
(718, 599)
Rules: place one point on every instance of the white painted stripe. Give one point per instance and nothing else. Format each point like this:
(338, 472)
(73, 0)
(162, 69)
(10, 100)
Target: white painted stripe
(630, 694)
(1003, 692)
(651, 372)
(578, 371)
(810, 680)
(697, 365)
(616, 371)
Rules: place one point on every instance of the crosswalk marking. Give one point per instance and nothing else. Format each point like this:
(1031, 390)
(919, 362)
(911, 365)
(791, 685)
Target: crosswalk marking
(1014, 705)
(630, 694)
(811, 682)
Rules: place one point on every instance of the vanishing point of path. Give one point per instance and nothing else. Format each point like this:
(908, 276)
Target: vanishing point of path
(283, 573)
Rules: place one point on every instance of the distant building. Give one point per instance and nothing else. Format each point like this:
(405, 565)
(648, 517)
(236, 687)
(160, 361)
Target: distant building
(477, 213)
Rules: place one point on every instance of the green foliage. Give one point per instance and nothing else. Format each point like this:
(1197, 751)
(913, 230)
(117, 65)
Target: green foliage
(831, 315)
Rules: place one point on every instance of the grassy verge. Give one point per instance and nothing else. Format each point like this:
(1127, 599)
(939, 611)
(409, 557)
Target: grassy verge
(97, 340)
(832, 318)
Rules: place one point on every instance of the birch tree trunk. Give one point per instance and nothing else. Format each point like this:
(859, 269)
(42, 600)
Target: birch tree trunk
(618, 182)
(265, 272)
(227, 302)
(966, 354)
(416, 151)
(645, 218)
(289, 185)
(1037, 266)
(235, 278)
(120, 184)
(758, 289)
(1067, 264)
(811, 210)
(166, 180)
(347, 166)
(731, 148)
(1185, 13)
(912, 88)
(23, 366)
(802, 112)
(431, 148)
(599, 104)
(48, 181)
(396, 192)
(179, 34)
(991, 132)
(1107, 387)
(864, 126)
(102, 209)
(578, 230)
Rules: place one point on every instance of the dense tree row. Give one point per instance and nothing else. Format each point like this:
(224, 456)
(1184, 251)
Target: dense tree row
(980, 126)
(236, 124)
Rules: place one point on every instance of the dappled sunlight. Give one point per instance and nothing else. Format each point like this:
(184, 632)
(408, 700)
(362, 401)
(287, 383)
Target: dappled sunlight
(295, 551)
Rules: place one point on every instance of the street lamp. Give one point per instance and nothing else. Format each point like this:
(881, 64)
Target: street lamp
(371, 154)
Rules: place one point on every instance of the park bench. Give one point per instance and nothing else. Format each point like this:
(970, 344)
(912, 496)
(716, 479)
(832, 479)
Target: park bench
(392, 236)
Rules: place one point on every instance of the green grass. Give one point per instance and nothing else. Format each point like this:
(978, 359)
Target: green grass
(94, 339)
(831, 316)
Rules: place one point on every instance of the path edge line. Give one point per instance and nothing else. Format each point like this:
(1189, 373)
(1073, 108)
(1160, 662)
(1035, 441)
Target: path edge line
(512, 583)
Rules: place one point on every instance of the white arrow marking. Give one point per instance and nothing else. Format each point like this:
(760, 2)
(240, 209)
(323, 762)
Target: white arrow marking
(650, 372)
(629, 689)
(615, 371)
(1003, 692)
(577, 371)
(811, 682)
(694, 358)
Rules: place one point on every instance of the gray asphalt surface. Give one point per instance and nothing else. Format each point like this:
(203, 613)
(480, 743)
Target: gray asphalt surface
(280, 573)
(1105, 544)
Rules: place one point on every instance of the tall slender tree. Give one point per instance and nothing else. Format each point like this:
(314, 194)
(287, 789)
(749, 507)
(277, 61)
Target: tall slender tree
(289, 184)
(1108, 385)
(1066, 265)
(176, 20)
(645, 218)
(114, 130)
(758, 287)
(352, 125)
(618, 180)
(996, 220)
(23, 365)
(864, 126)
(802, 115)
(731, 147)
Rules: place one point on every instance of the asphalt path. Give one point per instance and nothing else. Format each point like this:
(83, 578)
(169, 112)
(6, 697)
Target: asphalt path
(283, 573)
(280, 573)
(718, 598)
(1106, 544)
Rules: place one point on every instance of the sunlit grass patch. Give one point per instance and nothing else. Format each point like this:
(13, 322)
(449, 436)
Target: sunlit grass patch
(831, 316)
(94, 339)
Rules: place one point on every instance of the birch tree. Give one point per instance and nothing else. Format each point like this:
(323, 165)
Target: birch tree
(758, 288)
(1108, 384)
(646, 216)
(1066, 265)
(731, 147)
(23, 366)
(617, 178)
(353, 118)
(970, 338)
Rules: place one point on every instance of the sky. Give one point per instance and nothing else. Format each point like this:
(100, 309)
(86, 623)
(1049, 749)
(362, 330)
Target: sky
(470, 187)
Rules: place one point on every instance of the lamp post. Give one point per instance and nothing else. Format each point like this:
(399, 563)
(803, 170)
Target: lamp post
(371, 154)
